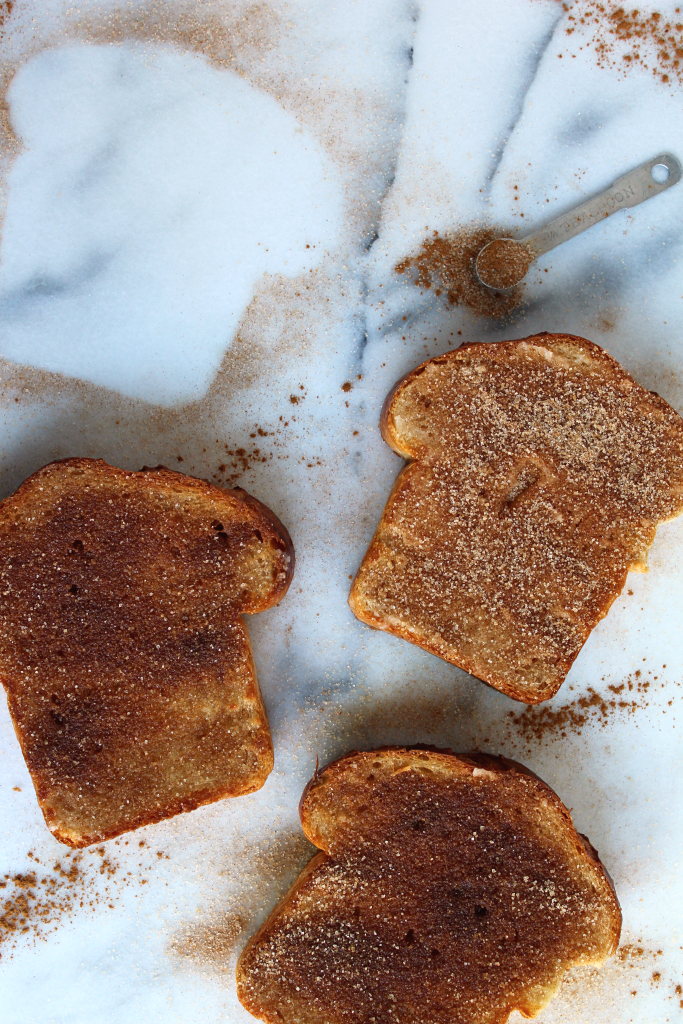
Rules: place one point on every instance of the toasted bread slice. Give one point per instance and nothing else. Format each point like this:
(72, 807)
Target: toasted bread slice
(128, 668)
(540, 473)
(449, 888)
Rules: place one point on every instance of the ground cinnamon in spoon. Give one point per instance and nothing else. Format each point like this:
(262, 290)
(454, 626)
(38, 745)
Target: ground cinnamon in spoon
(446, 263)
(503, 263)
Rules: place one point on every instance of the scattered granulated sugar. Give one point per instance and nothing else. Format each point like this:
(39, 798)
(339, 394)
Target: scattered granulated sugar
(587, 993)
(257, 875)
(446, 263)
(211, 945)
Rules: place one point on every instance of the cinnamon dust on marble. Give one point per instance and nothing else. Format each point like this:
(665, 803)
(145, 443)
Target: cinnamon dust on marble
(624, 38)
(35, 902)
(262, 872)
(446, 264)
(542, 722)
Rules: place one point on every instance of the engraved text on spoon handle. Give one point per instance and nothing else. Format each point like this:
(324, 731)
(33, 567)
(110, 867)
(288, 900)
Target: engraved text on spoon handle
(634, 188)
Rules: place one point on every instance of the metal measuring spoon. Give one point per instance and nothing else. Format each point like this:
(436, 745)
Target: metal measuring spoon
(502, 263)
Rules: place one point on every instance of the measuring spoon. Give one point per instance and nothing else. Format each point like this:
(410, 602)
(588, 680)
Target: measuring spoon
(502, 263)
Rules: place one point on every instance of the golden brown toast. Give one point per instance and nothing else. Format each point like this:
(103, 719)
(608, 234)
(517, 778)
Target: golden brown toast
(128, 668)
(539, 472)
(450, 888)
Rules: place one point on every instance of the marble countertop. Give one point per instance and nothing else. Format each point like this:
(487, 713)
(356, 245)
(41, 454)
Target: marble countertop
(203, 203)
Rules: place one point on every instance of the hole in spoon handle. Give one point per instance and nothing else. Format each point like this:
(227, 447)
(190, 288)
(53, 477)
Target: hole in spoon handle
(626, 192)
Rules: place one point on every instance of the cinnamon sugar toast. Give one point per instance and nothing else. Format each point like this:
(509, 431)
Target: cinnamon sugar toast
(128, 668)
(539, 471)
(448, 888)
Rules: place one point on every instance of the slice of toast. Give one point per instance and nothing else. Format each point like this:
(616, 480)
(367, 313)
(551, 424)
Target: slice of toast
(449, 888)
(128, 669)
(539, 472)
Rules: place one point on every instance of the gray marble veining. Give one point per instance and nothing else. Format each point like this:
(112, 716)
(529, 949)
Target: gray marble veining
(157, 149)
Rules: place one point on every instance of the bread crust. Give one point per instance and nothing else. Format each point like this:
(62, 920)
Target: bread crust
(128, 668)
(317, 960)
(491, 762)
(599, 524)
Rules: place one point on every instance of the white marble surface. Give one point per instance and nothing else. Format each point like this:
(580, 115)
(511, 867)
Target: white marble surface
(158, 150)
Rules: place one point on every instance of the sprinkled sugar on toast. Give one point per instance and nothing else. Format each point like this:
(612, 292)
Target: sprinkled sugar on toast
(447, 888)
(539, 471)
(127, 665)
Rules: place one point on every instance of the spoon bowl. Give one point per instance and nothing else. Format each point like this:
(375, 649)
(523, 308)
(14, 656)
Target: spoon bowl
(502, 263)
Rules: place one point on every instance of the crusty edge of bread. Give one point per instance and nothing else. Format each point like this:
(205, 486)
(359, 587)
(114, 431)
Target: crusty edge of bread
(198, 799)
(242, 988)
(475, 761)
(278, 527)
(385, 420)
(265, 517)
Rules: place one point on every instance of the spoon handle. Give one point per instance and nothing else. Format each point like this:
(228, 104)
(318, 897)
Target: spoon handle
(630, 190)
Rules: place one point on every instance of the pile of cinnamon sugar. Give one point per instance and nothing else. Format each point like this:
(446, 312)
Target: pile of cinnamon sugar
(446, 263)
(503, 263)
(627, 39)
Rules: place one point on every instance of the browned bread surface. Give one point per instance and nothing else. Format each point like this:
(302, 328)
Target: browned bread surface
(450, 888)
(128, 668)
(539, 472)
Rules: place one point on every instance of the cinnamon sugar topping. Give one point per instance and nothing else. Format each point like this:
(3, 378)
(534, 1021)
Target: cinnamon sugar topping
(541, 471)
(447, 264)
(443, 894)
(503, 263)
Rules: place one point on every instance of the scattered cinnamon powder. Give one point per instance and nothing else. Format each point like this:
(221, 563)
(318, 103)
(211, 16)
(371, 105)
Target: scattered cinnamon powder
(34, 903)
(244, 460)
(503, 263)
(447, 262)
(409, 714)
(538, 723)
(5, 10)
(626, 39)
(634, 951)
